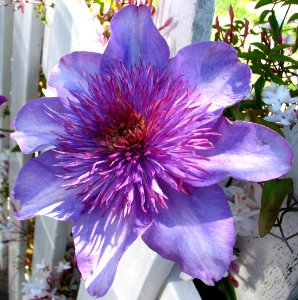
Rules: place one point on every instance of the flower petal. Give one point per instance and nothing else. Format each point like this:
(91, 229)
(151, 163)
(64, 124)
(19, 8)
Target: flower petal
(73, 71)
(100, 242)
(196, 231)
(35, 129)
(3, 100)
(214, 67)
(41, 192)
(245, 151)
(135, 38)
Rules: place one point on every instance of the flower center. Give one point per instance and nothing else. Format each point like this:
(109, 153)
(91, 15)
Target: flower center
(126, 132)
(129, 132)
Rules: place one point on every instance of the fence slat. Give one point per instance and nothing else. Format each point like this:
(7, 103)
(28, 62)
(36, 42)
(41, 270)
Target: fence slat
(191, 21)
(71, 27)
(141, 274)
(50, 238)
(26, 54)
(177, 289)
(6, 29)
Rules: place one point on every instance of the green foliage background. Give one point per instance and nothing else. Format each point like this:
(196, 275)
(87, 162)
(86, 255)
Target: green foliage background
(239, 7)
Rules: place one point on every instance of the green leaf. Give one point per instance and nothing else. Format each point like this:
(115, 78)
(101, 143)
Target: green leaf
(273, 77)
(277, 56)
(227, 288)
(239, 22)
(255, 54)
(16, 149)
(296, 44)
(280, 47)
(6, 111)
(259, 85)
(260, 120)
(235, 40)
(263, 3)
(274, 27)
(288, 2)
(293, 18)
(261, 46)
(223, 289)
(263, 15)
(256, 69)
(276, 79)
(252, 116)
(273, 195)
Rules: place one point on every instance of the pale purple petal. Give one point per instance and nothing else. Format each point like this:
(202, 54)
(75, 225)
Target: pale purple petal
(3, 100)
(196, 231)
(35, 129)
(100, 242)
(40, 192)
(134, 38)
(73, 71)
(214, 68)
(245, 151)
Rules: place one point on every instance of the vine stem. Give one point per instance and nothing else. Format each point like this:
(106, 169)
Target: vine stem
(6, 130)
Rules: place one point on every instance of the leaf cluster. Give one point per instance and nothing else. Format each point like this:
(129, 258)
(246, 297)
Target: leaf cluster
(267, 49)
(40, 9)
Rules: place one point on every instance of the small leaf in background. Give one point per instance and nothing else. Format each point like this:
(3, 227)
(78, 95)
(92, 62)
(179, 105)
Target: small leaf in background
(293, 17)
(255, 54)
(259, 85)
(223, 290)
(16, 149)
(296, 41)
(270, 125)
(253, 117)
(263, 3)
(6, 111)
(276, 79)
(274, 193)
(278, 48)
(261, 46)
(263, 15)
(274, 27)
(281, 57)
(288, 2)
(226, 286)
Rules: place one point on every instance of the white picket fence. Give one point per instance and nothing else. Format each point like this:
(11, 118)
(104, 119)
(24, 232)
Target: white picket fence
(25, 45)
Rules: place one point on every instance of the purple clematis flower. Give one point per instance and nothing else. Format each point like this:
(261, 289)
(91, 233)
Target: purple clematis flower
(138, 146)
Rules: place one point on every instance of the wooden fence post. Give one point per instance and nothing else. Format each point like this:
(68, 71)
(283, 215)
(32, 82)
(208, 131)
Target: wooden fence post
(177, 289)
(191, 21)
(71, 27)
(26, 54)
(6, 29)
